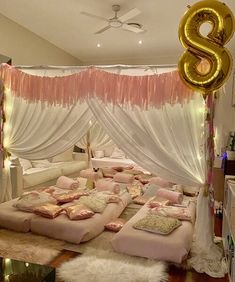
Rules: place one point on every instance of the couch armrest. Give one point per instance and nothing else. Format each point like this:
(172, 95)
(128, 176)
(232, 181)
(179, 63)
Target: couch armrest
(16, 172)
(80, 157)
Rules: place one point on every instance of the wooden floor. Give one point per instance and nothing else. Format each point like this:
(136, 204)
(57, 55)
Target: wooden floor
(175, 274)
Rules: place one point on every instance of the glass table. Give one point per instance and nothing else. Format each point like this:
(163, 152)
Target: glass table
(19, 271)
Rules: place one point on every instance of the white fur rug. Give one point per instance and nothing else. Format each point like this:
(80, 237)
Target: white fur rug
(28, 247)
(107, 266)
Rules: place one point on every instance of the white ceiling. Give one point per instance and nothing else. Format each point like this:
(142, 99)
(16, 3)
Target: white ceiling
(60, 22)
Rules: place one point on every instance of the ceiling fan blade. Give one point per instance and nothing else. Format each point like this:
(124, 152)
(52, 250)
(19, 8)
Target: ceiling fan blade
(94, 16)
(132, 28)
(129, 15)
(103, 29)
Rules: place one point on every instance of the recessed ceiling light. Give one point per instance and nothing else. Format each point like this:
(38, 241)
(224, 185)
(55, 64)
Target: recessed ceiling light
(98, 45)
(140, 42)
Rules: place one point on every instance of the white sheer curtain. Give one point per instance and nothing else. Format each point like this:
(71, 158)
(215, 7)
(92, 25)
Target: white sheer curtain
(98, 138)
(167, 141)
(39, 131)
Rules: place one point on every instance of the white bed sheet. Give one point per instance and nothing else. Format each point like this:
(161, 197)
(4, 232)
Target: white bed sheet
(109, 162)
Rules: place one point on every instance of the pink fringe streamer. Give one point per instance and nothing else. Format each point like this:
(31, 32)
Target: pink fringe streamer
(143, 91)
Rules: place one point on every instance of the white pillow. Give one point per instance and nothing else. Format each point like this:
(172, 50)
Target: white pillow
(26, 164)
(66, 156)
(99, 154)
(118, 154)
(41, 163)
(108, 151)
(27, 202)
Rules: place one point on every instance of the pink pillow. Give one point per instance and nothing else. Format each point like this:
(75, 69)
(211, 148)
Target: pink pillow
(123, 177)
(161, 182)
(158, 202)
(175, 212)
(89, 174)
(115, 225)
(64, 182)
(107, 185)
(174, 197)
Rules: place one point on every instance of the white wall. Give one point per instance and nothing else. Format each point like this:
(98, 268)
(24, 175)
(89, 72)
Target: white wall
(224, 114)
(26, 48)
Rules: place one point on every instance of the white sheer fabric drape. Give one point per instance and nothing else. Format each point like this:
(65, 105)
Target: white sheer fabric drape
(98, 138)
(39, 131)
(167, 141)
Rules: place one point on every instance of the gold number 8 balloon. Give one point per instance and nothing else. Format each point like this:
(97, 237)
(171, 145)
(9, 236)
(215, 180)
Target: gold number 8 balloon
(210, 48)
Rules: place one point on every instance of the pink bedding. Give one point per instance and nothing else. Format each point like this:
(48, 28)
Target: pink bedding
(14, 219)
(81, 230)
(173, 247)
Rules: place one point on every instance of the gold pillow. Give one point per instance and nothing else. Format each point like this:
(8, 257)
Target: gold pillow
(115, 225)
(78, 212)
(48, 210)
(157, 224)
(97, 204)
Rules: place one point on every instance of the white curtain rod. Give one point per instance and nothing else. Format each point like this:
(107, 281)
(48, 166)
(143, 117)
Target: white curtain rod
(96, 66)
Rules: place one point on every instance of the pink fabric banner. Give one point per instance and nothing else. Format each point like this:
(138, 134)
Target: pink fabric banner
(144, 91)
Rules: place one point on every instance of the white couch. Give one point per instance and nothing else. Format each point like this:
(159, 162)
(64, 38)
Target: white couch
(28, 175)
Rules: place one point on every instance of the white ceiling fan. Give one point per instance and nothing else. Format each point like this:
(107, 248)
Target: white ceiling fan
(119, 22)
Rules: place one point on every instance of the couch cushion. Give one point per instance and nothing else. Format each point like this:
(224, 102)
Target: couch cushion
(12, 218)
(41, 163)
(72, 167)
(26, 164)
(35, 176)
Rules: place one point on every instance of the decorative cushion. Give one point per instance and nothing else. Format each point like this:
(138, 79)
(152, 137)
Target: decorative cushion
(28, 202)
(115, 225)
(157, 224)
(108, 171)
(134, 190)
(66, 156)
(143, 178)
(190, 191)
(117, 154)
(79, 211)
(175, 212)
(132, 171)
(158, 202)
(82, 181)
(140, 200)
(48, 210)
(41, 163)
(108, 151)
(69, 197)
(123, 177)
(99, 154)
(97, 204)
(113, 199)
(26, 164)
(174, 197)
(178, 188)
(65, 182)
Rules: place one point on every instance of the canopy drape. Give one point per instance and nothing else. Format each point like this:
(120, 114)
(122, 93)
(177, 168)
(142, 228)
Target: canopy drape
(155, 119)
